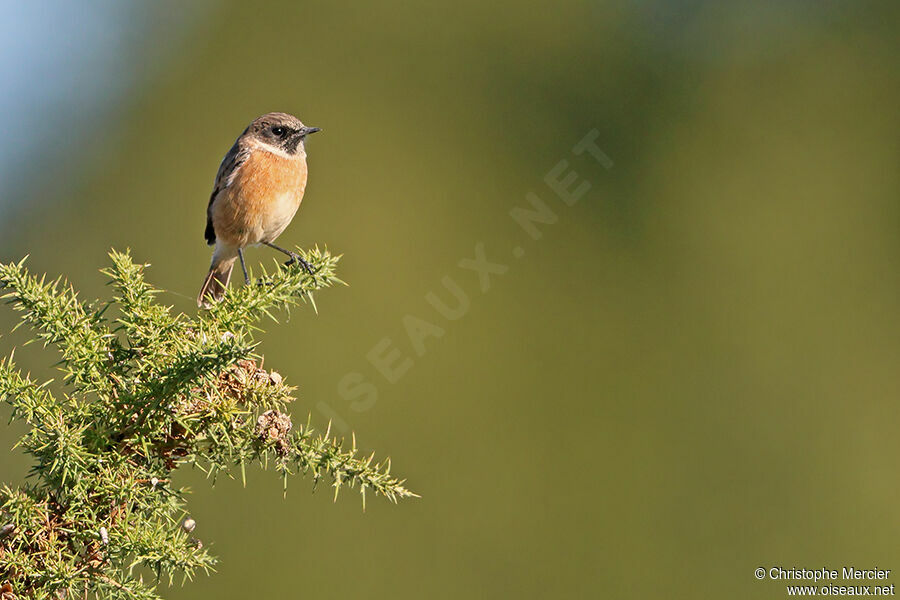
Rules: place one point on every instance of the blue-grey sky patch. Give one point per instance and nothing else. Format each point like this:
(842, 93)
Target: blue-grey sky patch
(64, 66)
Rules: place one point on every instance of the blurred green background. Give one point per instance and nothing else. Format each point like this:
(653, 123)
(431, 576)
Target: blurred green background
(691, 374)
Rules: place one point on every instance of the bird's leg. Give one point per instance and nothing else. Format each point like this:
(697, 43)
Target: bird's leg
(243, 266)
(295, 258)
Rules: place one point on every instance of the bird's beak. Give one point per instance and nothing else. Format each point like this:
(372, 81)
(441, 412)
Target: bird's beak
(305, 131)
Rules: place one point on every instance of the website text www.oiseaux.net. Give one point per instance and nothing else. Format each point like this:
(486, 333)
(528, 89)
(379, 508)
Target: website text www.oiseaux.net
(848, 581)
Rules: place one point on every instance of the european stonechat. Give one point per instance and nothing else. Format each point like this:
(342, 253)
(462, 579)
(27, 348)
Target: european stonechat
(258, 190)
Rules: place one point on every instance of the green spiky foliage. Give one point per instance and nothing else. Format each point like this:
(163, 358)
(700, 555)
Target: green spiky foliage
(145, 392)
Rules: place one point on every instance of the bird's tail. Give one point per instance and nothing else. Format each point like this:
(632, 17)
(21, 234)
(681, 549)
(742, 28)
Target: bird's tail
(218, 277)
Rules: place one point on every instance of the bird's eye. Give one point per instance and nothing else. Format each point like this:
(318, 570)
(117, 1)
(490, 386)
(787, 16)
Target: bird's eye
(279, 131)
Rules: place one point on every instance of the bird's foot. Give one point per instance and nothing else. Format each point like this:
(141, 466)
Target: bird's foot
(296, 258)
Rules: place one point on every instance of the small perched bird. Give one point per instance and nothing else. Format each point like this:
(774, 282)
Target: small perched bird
(258, 190)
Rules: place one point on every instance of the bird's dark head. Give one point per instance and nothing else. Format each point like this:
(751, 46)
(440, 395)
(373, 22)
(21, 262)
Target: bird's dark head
(281, 131)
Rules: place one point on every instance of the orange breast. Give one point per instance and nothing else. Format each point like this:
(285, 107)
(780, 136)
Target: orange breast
(262, 199)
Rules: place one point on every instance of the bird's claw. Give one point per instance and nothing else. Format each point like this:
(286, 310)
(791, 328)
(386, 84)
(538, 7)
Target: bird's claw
(296, 258)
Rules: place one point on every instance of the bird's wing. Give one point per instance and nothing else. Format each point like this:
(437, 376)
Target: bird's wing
(228, 170)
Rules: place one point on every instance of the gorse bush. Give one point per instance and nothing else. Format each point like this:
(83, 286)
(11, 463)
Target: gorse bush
(145, 392)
